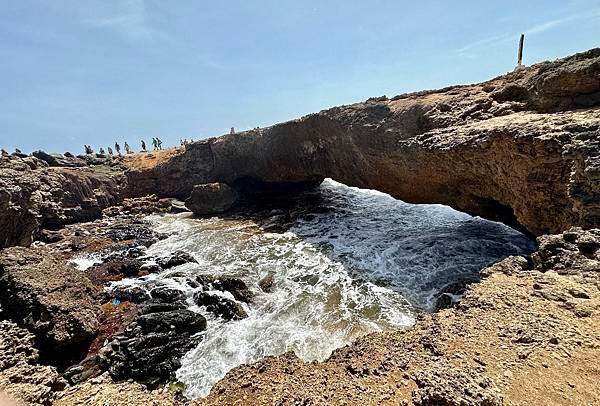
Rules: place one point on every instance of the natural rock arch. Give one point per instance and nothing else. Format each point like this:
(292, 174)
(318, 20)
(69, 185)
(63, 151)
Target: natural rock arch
(517, 149)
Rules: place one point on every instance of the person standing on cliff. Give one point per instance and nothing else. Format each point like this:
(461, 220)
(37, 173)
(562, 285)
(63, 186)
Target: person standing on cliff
(118, 148)
(232, 131)
(159, 142)
(154, 144)
(110, 152)
(126, 145)
(143, 146)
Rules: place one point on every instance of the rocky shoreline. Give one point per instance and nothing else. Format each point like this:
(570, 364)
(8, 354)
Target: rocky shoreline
(523, 149)
(529, 329)
(78, 328)
(528, 333)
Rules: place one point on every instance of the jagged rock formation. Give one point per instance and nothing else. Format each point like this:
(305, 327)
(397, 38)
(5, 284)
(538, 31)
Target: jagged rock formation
(21, 376)
(103, 391)
(512, 149)
(35, 196)
(52, 300)
(152, 345)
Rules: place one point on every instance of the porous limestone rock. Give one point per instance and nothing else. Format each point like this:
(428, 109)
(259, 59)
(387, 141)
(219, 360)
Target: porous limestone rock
(34, 196)
(51, 299)
(21, 377)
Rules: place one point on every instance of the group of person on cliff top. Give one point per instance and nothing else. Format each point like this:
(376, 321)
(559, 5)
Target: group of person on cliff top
(156, 146)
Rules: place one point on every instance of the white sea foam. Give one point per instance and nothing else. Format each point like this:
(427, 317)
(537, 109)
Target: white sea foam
(357, 261)
(85, 261)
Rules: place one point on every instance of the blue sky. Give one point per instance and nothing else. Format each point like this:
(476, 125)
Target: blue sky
(78, 72)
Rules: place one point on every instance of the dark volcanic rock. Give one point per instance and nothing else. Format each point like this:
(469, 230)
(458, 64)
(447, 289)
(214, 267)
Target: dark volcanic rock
(211, 198)
(156, 307)
(50, 299)
(44, 156)
(220, 306)
(135, 232)
(177, 206)
(114, 270)
(235, 286)
(175, 259)
(123, 255)
(149, 268)
(133, 294)
(167, 295)
(150, 348)
(49, 236)
(266, 283)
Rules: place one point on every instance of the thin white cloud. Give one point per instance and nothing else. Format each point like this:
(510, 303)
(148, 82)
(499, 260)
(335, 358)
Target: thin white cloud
(548, 25)
(536, 29)
(485, 41)
(130, 21)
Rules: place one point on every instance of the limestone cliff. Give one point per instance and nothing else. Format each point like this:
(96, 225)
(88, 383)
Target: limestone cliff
(522, 148)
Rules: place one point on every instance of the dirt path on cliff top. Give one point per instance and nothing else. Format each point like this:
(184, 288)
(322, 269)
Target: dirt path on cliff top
(151, 159)
(520, 337)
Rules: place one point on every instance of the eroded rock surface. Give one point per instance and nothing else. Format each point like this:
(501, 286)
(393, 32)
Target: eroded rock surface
(211, 198)
(522, 148)
(104, 391)
(21, 377)
(49, 298)
(34, 196)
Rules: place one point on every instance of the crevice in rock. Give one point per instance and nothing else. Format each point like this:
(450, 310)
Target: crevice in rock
(253, 188)
(492, 209)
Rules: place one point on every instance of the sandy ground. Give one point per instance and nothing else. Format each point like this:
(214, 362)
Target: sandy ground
(150, 159)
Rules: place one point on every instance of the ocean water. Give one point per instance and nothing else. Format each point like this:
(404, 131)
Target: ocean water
(345, 262)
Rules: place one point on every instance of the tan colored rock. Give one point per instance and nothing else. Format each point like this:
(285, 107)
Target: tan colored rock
(21, 378)
(103, 391)
(34, 196)
(51, 299)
